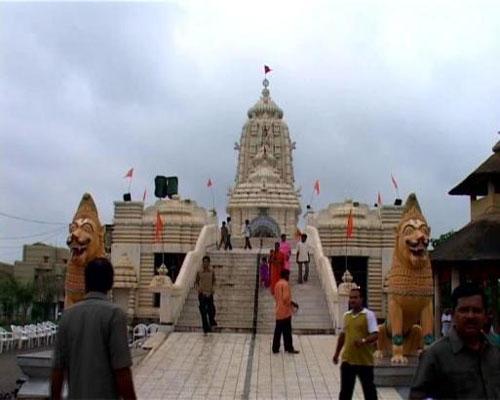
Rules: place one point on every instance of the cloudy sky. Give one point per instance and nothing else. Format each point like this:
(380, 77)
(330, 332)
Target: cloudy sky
(368, 88)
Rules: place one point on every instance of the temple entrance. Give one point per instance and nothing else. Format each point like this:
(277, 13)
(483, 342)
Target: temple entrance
(264, 226)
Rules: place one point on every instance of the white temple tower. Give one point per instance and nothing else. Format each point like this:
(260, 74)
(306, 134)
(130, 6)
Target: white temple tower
(264, 190)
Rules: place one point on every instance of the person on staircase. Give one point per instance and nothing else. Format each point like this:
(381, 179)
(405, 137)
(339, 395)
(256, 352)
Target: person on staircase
(303, 258)
(276, 263)
(223, 236)
(246, 232)
(205, 283)
(229, 226)
(284, 308)
(286, 249)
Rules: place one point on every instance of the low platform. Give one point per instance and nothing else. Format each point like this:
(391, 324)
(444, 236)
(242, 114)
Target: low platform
(390, 375)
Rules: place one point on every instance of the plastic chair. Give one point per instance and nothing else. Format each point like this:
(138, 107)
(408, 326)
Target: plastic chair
(152, 329)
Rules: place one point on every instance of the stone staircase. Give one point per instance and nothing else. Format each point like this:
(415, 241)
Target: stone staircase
(234, 299)
(235, 273)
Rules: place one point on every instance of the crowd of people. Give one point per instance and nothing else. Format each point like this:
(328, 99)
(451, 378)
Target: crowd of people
(93, 355)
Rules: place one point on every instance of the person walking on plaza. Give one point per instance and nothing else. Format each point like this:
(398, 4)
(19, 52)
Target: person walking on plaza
(286, 249)
(303, 258)
(358, 337)
(229, 225)
(445, 322)
(284, 308)
(246, 232)
(462, 364)
(223, 236)
(276, 264)
(205, 283)
(91, 348)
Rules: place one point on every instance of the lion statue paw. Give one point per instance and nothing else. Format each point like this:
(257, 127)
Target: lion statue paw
(399, 359)
(378, 354)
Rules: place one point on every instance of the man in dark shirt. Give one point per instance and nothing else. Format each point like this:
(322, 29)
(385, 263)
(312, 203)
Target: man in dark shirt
(462, 365)
(92, 346)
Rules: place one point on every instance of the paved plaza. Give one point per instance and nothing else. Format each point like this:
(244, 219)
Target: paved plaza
(218, 366)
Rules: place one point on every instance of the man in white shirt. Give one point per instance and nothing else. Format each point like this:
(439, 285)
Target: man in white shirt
(246, 231)
(303, 258)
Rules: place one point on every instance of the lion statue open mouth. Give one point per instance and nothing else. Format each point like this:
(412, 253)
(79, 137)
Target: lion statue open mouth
(86, 242)
(410, 288)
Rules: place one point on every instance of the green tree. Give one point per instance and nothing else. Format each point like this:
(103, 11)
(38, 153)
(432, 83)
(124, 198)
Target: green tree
(441, 239)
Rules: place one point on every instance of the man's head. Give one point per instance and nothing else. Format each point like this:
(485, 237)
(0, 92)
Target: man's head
(247, 222)
(223, 223)
(283, 237)
(277, 246)
(228, 219)
(99, 275)
(469, 310)
(303, 237)
(355, 299)
(285, 274)
(205, 262)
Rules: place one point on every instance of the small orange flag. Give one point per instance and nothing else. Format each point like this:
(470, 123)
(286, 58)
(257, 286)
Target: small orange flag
(130, 173)
(158, 228)
(350, 225)
(316, 186)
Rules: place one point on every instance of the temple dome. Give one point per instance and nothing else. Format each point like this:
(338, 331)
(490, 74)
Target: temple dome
(265, 106)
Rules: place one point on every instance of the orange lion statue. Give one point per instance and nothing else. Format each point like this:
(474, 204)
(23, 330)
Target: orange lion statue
(409, 324)
(86, 242)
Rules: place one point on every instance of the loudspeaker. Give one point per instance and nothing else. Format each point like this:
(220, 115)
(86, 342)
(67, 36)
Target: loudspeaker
(161, 186)
(398, 202)
(172, 186)
(127, 197)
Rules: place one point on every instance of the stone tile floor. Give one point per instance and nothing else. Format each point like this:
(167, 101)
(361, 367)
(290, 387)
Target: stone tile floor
(193, 366)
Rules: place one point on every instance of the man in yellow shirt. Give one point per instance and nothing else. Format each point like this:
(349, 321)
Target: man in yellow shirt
(358, 337)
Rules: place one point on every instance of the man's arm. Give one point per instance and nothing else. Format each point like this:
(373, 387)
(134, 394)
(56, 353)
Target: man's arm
(59, 361)
(124, 383)
(426, 379)
(57, 383)
(340, 345)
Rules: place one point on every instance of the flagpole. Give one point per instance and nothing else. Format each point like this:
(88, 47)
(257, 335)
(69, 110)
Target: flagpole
(129, 184)
(312, 196)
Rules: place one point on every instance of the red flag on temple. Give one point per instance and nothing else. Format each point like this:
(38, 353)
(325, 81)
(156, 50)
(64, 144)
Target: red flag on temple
(394, 182)
(209, 183)
(350, 225)
(158, 228)
(267, 69)
(316, 186)
(129, 173)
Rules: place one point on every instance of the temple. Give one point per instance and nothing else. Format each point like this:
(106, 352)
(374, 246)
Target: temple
(264, 190)
(264, 193)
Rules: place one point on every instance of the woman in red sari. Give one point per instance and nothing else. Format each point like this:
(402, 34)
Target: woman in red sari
(276, 263)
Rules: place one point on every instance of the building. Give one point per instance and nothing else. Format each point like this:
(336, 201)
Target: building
(264, 191)
(473, 252)
(41, 259)
(137, 252)
(367, 254)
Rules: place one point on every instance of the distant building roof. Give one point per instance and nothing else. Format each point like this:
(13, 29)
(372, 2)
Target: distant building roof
(478, 241)
(477, 182)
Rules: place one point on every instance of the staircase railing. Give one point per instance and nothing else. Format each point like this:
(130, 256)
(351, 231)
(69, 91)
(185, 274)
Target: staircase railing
(325, 273)
(187, 275)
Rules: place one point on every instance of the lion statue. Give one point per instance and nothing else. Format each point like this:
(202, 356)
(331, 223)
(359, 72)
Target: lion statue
(410, 289)
(86, 242)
